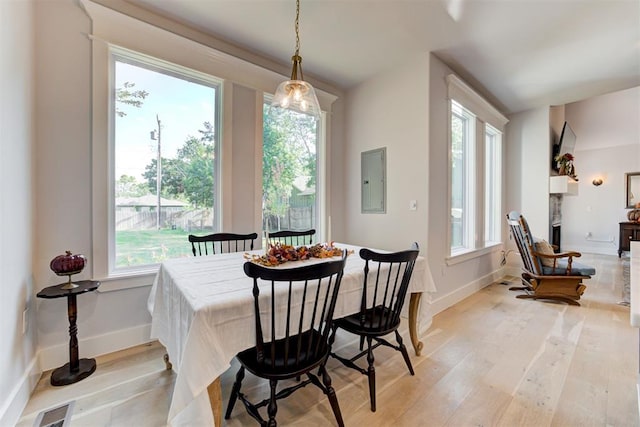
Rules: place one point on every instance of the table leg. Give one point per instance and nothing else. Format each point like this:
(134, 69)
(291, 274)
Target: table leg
(77, 369)
(414, 306)
(72, 313)
(167, 362)
(215, 399)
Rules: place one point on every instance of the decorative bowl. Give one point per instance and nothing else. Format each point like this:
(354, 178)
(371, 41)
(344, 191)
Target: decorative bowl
(68, 264)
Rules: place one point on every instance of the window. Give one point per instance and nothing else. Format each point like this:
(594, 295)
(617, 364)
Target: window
(492, 186)
(289, 170)
(190, 59)
(164, 163)
(475, 171)
(462, 184)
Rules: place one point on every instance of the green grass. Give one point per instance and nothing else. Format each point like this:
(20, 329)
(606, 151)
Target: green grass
(150, 246)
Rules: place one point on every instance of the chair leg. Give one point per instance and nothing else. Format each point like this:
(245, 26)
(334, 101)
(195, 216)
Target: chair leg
(331, 394)
(403, 350)
(332, 336)
(272, 408)
(234, 392)
(371, 374)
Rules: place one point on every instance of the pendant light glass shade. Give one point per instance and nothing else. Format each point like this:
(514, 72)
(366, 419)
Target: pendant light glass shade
(296, 94)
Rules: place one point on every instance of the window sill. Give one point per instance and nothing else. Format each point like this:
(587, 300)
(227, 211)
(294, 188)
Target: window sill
(127, 281)
(461, 256)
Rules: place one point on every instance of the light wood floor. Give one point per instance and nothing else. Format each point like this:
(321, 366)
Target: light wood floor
(490, 360)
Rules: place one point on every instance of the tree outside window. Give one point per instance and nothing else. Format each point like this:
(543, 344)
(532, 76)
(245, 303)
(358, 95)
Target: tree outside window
(166, 128)
(289, 170)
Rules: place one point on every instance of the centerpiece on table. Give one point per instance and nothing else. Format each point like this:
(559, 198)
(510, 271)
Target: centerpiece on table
(279, 253)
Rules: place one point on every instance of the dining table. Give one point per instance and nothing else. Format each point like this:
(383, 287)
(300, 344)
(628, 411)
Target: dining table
(202, 312)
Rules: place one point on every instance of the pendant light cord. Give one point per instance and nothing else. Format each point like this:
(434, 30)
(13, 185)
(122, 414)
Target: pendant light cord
(296, 58)
(297, 27)
(296, 94)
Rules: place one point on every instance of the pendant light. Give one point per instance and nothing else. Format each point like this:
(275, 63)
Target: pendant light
(296, 94)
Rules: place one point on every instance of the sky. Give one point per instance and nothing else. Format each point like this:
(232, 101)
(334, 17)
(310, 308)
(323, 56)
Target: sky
(182, 107)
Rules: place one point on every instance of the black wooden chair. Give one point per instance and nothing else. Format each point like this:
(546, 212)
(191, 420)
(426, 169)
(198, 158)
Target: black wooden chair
(307, 297)
(386, 281)
(219, 243)
(293, 238)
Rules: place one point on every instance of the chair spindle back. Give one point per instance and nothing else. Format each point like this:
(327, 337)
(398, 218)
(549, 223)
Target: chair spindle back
(524, 241)
(293, 238)
(219, 243)
(301, 303)
(386, 281)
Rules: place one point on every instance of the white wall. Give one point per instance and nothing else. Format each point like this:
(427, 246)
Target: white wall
(336, 176)
(390, 110)
(527, 178)
(246, 197)
(607, 132)
(18, 356)
(405, 110)
(108, 321)
(63, 190)
(455, 281)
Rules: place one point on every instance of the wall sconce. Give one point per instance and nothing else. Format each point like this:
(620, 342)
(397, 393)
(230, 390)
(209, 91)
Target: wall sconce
(597, 182)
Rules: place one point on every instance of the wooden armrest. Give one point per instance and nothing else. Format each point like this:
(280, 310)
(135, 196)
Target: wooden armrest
(558, 255)
(570, 255)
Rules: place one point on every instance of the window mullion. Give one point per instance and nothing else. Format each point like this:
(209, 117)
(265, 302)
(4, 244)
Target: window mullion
(479, 182)
(471, 168)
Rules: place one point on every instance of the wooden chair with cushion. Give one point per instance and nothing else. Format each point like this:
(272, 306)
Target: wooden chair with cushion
(385, 285)
(296, 306)
(545, 274)
(291, 237)
(219, 243)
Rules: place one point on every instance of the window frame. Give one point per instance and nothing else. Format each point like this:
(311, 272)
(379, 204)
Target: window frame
(484, 115)
(493, 185)
(469, 163)
(176, 71)
(148, 34)
(322, 226)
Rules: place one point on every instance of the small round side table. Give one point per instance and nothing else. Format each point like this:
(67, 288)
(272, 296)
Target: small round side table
(77, 369)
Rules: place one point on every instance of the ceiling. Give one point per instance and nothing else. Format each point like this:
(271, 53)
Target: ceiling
(524, 53)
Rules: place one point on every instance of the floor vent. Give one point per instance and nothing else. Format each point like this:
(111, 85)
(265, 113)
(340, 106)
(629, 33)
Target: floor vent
(55, 417)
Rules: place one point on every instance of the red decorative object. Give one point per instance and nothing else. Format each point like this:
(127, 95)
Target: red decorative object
(68, 264)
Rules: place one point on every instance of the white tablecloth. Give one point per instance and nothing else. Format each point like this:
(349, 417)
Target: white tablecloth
(202, 312)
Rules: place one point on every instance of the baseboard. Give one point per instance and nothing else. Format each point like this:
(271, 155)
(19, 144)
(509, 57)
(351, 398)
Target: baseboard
(515, 271)
(17, 399)
(600, 249)
(446, 301)
(55, 356)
